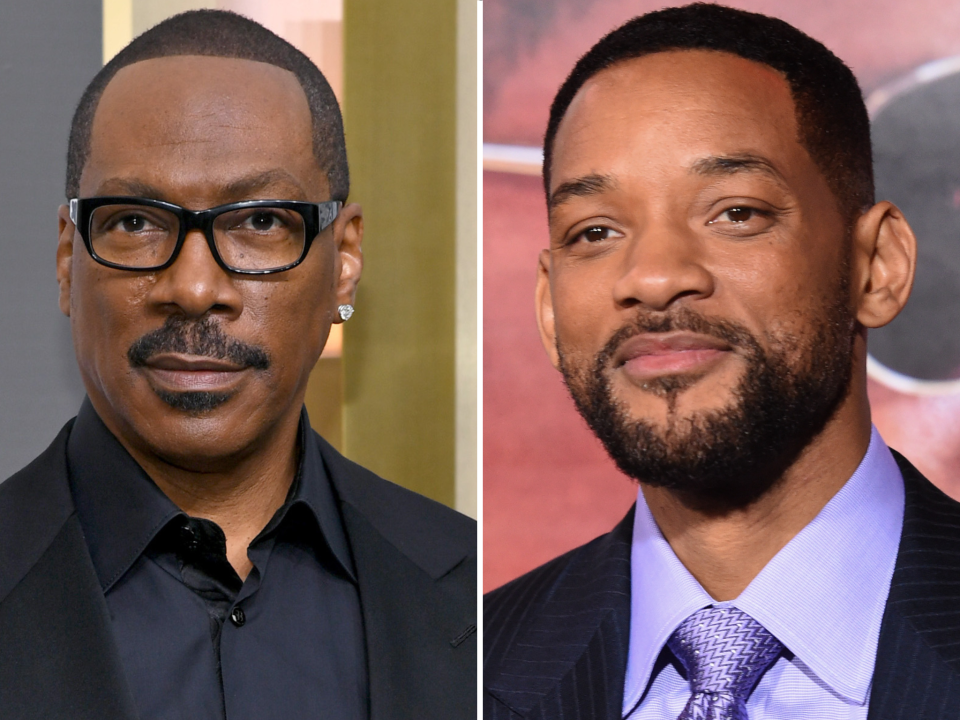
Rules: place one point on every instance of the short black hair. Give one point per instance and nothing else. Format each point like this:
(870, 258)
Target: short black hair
(831, 117)
(219, 33)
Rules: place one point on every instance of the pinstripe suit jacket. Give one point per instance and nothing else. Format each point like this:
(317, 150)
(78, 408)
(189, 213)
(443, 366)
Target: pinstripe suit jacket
(556, 638)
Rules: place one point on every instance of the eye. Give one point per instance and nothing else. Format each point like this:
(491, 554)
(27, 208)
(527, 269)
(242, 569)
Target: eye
(595, 234)
(263, 221)
(743, 221)
(132, 223)
(737, 215)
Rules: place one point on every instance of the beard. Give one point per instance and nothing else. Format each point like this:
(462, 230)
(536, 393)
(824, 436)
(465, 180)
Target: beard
(724, 459)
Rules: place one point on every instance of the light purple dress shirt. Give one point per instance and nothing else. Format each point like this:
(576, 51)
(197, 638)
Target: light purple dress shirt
(822, 596)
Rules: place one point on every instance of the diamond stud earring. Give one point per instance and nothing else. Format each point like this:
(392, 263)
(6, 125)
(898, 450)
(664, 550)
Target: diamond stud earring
(345, 312)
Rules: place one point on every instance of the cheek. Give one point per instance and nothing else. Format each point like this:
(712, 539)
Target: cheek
(775, 288)
(105, 310)
(585, 315)
(291, 320)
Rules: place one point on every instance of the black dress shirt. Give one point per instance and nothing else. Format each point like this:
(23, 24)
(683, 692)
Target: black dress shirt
(197, 642)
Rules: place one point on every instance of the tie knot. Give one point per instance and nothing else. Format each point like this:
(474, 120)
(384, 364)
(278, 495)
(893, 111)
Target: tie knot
(724, 650)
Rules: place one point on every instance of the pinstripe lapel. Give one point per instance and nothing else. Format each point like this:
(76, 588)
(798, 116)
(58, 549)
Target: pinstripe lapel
(561, 650)
(918, 659)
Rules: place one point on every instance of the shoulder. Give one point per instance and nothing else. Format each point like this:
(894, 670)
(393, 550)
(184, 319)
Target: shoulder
(430, 532)
(595, 575)
(926, 505)
(921, 621)
(511, 603)
(605, 556)
(929, 554)
(35, 503)
(510, 609)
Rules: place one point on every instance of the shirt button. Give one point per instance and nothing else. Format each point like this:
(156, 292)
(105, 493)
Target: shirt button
(237, 617)
(190, 539)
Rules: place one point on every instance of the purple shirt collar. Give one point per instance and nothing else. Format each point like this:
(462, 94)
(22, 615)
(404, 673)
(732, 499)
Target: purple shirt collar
(823, 595)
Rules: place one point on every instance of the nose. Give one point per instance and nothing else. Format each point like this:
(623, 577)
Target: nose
(195, 284)
(661, 265)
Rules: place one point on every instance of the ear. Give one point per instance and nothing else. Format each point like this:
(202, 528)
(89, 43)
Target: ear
(65, 257)
(544, 309)
(885, 258)
(348, 234)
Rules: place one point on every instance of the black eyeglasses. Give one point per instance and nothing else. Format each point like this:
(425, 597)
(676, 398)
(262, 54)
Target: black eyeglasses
(254, 237)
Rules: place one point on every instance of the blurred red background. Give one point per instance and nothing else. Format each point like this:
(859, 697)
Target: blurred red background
(548, 486)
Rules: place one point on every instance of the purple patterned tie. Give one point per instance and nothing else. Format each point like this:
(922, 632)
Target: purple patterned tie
(725, 651)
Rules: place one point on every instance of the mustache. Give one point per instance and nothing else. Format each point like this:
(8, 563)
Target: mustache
(680, 319)
(203, 338)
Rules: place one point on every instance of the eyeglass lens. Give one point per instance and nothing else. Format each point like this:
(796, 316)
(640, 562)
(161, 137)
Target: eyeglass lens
(258, 238)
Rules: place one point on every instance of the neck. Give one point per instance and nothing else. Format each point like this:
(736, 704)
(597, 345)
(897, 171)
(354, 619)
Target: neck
(726, 551)
(240, 498)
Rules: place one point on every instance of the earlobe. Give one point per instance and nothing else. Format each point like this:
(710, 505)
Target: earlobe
(544, 309)
(348, 233)
(885, 250)
(65, 258)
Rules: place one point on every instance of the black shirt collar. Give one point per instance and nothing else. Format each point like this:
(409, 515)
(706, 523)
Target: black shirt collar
(121, 509)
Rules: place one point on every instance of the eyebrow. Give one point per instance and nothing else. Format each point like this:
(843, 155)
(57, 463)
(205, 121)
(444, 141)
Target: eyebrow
(249, 185)
(124, 186)
(240, 188)
(714, 165)
(734, 164)
(585, 186)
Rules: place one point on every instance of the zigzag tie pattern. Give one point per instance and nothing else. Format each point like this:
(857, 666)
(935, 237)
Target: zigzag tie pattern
(725, 651)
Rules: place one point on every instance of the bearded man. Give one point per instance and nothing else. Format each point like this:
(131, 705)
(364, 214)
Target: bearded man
(716, 258)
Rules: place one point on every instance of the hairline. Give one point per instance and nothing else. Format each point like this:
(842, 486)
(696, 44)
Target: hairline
(678, 49)
(259, 176)
(236, 35)
(99, 97)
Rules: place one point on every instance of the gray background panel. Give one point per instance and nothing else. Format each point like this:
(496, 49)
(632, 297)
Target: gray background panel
(49, 51)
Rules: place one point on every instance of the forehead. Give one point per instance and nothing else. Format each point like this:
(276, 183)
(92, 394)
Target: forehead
(670, 109)
(194, 120)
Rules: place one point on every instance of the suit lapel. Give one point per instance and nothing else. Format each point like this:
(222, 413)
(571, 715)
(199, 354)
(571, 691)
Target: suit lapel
(917, 673)
(421, 642)
(59, 659)
(569, 657)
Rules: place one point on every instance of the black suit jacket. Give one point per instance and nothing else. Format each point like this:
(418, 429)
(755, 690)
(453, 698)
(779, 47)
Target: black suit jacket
(556, 638)
(416, 569)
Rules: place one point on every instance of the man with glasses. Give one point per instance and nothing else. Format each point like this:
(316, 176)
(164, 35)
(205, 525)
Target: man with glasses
(187, 546)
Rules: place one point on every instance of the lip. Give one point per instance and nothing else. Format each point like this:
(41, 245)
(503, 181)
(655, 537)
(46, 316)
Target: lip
(644, 357)
(192, 372)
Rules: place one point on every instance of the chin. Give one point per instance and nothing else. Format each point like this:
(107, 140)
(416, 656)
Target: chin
(208, 452)
(193, 434)
(196, 403)
(669, 400)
